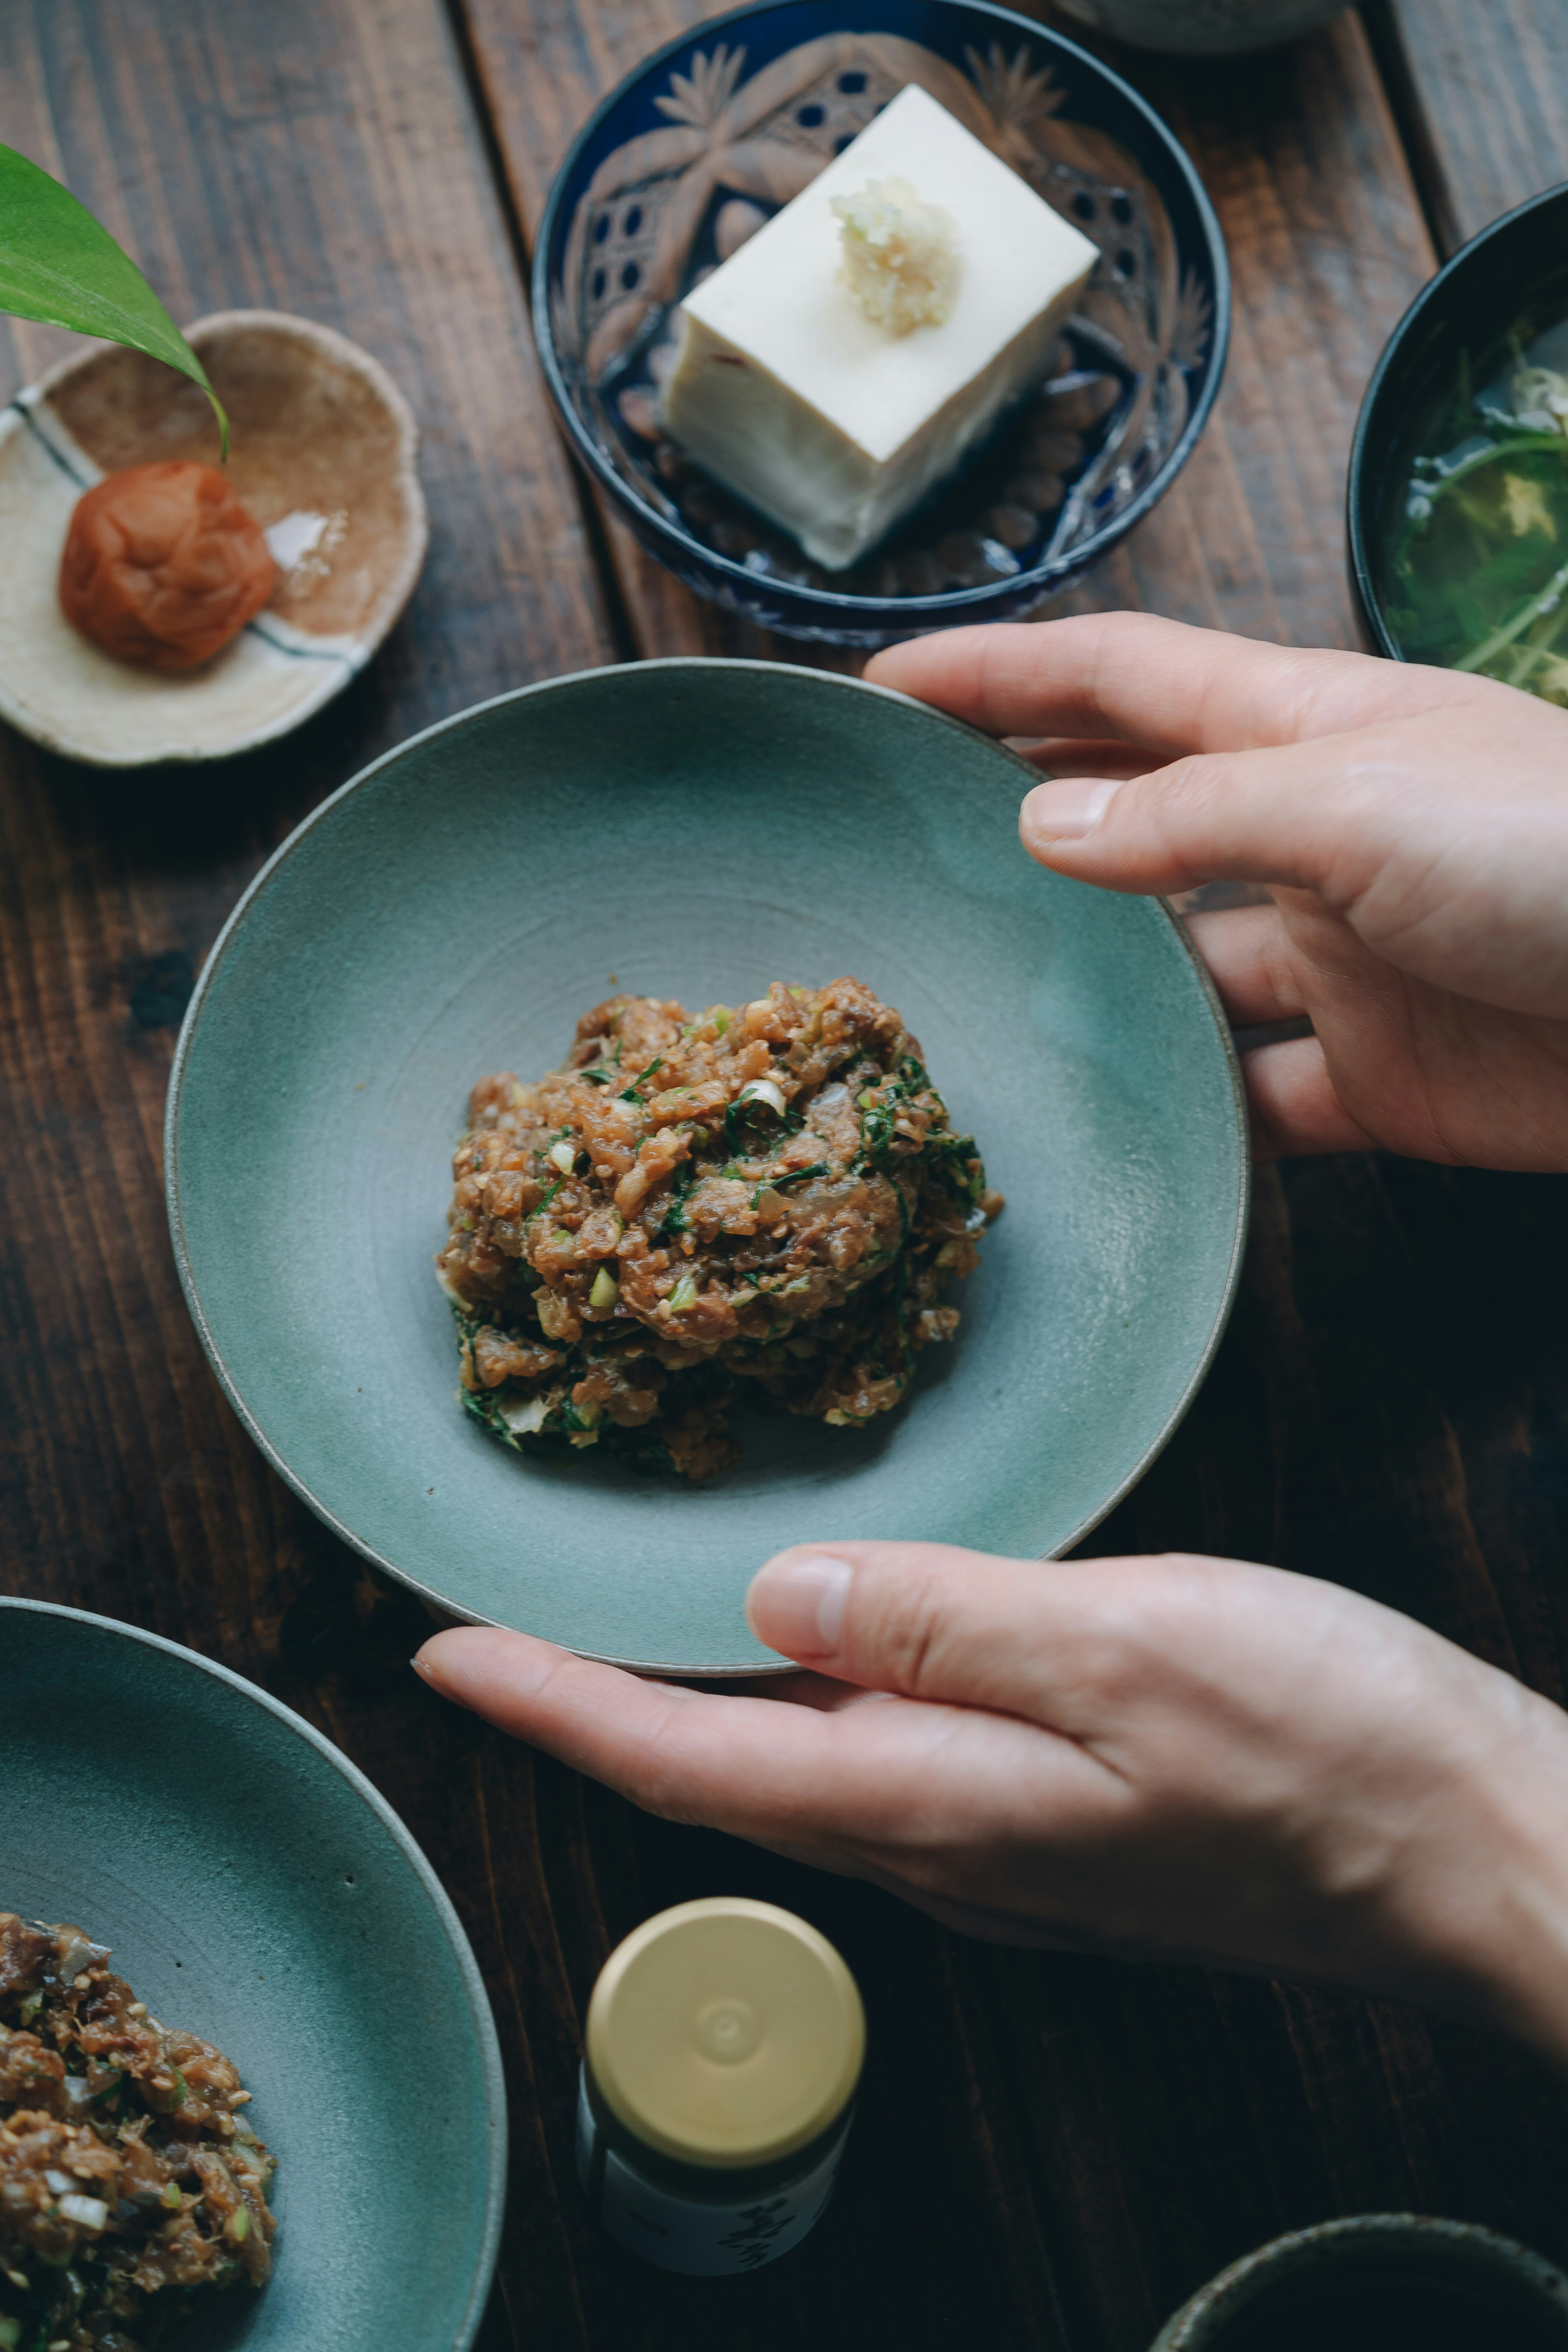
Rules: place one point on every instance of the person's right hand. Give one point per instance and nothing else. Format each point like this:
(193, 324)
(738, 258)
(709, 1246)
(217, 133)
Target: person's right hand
(1412, 825)
(1167, 1758)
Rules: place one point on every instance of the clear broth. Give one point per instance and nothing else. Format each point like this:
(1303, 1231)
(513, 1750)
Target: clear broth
(1478, 576)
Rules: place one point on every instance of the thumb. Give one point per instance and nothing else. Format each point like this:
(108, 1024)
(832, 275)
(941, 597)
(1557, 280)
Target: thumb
(1285, 814)
(930, 1622)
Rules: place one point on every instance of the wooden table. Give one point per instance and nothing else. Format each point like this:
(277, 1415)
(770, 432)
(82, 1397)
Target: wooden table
(1053, 2151)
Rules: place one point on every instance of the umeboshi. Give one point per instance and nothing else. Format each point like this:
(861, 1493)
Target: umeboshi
(163, 565)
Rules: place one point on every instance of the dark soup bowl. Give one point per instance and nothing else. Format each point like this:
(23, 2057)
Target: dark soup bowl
(1378, 2283)
(1457, 502)
(701, 144)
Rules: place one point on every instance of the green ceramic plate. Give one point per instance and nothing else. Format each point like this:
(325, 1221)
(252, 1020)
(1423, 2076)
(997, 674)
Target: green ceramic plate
(694, 829)
(255, 1889)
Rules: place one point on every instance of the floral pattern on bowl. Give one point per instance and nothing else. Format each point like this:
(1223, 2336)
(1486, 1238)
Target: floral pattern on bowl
(633, 228)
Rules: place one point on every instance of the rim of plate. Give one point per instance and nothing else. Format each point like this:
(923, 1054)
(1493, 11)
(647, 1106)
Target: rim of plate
(885, 611)
(440, 1902)
(659, 1669)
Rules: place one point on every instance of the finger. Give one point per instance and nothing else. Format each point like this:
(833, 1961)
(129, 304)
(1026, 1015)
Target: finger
(1077, 755)
(1057, 1642)
(1293, 1104)
(669, 1747)
(1247, 952)
(844, 1783)
(1295, 816)
(1155, 682)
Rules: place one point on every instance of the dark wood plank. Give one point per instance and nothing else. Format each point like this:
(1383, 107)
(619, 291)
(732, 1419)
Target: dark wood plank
(1386, 1409)
(321, 156)
(1483, 87)
(1326, 242)
(1051, 2152)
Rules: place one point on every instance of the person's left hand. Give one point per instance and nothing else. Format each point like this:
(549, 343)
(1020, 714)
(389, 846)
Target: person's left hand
(1180, 1757)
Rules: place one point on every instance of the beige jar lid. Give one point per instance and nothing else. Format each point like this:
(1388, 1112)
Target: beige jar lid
(725, 2033)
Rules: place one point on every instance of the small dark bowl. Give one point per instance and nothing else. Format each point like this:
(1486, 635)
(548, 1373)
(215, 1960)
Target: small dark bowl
(1517, 264)
(717, 129)
(1511, 2299)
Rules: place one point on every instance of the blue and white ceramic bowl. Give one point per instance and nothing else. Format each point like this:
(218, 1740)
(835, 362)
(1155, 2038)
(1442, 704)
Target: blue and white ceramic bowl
(716, 130)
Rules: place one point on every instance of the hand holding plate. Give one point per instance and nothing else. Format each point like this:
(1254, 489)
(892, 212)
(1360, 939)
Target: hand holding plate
(1411, 825)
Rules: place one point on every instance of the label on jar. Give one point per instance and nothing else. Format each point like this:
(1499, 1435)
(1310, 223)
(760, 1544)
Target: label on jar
(706, 2238)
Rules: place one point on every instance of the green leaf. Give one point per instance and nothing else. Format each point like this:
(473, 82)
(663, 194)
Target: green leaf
(60, 267)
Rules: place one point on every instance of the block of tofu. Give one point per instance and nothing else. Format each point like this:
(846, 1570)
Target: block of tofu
(787, 390)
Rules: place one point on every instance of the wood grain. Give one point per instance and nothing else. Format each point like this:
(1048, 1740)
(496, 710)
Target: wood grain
(1052, 2151)
(1148, 2125)
(1485, 86)
(321, 158)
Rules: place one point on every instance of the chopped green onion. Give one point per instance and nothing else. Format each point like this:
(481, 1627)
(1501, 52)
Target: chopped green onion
(171, 2197)
(795, 1176)
(675, 1216)
(607, 1290)
(237, 2226)
(683, 1295)
(87, 2212)
(722, 1016)
(563, 1156)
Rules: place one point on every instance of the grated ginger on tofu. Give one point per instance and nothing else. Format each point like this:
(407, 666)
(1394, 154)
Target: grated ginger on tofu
(902, 259)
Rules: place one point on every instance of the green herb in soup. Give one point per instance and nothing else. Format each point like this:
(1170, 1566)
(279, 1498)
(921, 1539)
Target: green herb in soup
(1479, 575)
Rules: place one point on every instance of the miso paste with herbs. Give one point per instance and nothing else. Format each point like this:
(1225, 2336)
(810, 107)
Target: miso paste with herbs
(1478, 574)
(131, 2185)
(765, 1202)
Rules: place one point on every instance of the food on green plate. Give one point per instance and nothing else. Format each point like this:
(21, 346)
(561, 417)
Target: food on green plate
(764, 1202)
(130, 2186)
(163, 566)
(1479, 573)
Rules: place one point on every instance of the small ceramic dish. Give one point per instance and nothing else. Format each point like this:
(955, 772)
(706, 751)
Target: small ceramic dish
(694, 829)
(717, 130)
(1515, 267)
(255, 1890)
(322, 455)
(1396, 2280)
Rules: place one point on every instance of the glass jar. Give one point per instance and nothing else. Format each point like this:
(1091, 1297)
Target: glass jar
(725, 2044)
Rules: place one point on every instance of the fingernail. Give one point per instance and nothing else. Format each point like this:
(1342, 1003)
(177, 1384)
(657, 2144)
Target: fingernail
(797, 1604)
(1065, 812)
(462, 1662)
